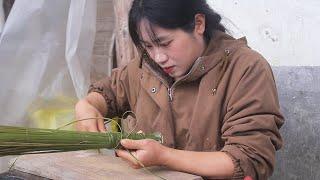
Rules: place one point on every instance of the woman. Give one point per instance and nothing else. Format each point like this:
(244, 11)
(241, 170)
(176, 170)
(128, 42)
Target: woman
(213, 98)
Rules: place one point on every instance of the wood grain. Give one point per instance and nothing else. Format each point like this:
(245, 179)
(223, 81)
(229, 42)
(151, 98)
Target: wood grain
(89, 165)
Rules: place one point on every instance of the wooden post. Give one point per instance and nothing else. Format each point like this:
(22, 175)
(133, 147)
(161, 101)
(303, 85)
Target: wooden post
(125, 50)
(102, 57)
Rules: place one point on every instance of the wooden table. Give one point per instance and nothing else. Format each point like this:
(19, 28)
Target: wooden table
(86, 165)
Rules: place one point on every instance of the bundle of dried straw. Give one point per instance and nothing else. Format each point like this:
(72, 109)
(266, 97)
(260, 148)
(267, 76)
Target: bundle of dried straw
(20, 140)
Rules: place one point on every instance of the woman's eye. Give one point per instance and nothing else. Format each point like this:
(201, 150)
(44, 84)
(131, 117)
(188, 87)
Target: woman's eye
(148, 46)
(165, 44)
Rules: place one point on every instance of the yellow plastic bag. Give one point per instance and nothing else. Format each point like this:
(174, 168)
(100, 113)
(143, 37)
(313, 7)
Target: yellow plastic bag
(52, 113)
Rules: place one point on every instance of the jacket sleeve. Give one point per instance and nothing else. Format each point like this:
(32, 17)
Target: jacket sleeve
(252, 121)
(115, 90)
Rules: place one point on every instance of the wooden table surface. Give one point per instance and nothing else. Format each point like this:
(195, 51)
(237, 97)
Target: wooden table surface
(88, 165)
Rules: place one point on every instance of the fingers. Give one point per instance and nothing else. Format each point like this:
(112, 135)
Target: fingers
(80, 128)
(132, 158)
(91, 125)
(100, 124)
(91, 119)
(247, 178)
(134, 144)
(92, 128)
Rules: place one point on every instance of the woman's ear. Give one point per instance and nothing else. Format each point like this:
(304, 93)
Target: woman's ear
(200, 23)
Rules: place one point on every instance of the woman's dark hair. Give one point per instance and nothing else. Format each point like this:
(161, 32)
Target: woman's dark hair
(172, 14)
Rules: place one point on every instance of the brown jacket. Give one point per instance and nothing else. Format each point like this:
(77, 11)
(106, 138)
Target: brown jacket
(227, 102)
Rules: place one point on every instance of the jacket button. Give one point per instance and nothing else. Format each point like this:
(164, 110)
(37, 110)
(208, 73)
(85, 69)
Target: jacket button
(154, 90)
(214, 91)
(203, 68)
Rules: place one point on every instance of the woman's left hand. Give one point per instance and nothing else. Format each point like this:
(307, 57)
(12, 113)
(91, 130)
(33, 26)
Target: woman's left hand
(149, 152)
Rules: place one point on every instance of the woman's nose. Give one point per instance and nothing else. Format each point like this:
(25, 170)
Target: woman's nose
(160, 57)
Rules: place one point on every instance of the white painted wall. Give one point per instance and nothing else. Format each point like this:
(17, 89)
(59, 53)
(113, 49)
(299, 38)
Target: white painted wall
(286, 32)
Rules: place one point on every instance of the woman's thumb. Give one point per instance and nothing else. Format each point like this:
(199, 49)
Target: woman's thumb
(132, 144)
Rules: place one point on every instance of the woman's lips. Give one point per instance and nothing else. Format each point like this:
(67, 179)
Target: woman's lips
(168, 70)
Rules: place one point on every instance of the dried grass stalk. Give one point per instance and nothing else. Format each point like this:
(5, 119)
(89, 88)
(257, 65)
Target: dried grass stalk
(19, 140)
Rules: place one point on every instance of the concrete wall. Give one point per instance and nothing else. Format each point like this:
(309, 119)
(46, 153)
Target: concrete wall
(286, 32)
(299, 94)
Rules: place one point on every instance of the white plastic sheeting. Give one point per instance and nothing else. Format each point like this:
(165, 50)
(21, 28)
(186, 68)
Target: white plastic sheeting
(45, 58)
(1, 16)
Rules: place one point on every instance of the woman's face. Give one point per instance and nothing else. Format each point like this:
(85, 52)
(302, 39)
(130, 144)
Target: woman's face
(174, 50)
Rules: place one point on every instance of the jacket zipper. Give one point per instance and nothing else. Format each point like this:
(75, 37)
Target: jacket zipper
(170, 94)
(171, 89)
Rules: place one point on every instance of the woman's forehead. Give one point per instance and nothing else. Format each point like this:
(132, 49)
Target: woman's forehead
(149, 32)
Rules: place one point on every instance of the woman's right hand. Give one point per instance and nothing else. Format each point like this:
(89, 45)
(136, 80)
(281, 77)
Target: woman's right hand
(84, 110)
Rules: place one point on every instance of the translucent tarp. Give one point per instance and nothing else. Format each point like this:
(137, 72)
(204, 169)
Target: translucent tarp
(1, 16)
(45, 60)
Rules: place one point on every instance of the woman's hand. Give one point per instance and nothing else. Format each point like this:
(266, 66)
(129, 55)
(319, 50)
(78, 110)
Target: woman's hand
(217, 165)
(84, 110)
(147, 151)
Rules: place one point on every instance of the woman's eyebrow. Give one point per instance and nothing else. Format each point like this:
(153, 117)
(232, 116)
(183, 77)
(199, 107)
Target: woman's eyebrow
(144, 42)
(162, 38)
(158, 39)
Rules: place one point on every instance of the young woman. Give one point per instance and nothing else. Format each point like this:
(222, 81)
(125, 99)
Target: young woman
(213, 98)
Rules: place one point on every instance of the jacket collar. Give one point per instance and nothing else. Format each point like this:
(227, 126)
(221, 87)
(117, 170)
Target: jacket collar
(219, 47)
